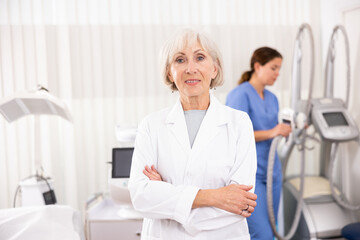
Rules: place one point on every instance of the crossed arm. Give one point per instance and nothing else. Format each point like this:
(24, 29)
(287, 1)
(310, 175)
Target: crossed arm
(234, 198)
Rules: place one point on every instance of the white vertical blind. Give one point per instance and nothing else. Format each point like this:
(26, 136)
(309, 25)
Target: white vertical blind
(101, 57)
(158, 12)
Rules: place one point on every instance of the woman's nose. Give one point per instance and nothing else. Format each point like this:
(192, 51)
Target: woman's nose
(191, 67)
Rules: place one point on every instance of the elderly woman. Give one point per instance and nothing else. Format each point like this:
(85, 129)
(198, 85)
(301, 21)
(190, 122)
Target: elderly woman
(194, 164)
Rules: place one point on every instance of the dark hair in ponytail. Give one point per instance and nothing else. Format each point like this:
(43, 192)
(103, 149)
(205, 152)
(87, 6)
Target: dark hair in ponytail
(245, 77)
(261, 55)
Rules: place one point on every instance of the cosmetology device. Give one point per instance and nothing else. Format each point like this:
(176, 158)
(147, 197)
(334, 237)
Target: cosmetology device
(313, 207)
(110, 217)
(36, 189)
(120, 173)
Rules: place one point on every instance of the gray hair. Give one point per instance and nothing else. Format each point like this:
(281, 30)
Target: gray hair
(181, 39)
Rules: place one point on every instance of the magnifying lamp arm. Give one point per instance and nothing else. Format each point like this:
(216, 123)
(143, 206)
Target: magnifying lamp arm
(37, 142)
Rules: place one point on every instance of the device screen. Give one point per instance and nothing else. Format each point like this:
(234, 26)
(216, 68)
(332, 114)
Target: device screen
(335, 119)
(121, 162)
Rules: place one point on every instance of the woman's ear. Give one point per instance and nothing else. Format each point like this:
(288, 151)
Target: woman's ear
(215, 72)
(170, 77)
(257, 66)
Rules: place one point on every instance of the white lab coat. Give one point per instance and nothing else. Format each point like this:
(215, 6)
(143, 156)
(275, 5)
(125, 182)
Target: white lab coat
(223, 153)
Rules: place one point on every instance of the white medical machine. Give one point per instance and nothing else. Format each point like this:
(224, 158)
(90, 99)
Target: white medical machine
(36, 189)
(110, 217)
(120, 172)
(118, 182)
(314, 208)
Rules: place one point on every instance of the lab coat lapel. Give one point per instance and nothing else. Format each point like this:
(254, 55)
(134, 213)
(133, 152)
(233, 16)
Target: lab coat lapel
(176, 122)
(210, 126)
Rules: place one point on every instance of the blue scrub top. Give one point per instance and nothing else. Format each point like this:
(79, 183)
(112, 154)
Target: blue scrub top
(264, 116)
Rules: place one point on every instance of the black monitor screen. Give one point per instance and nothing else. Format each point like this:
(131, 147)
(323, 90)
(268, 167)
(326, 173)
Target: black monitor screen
(121, 162)
(335, 119)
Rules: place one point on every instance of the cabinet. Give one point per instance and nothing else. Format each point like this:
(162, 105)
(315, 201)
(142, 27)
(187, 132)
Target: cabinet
(107, 221)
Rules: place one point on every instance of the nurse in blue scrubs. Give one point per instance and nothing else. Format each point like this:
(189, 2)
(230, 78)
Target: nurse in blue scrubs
(262, 106)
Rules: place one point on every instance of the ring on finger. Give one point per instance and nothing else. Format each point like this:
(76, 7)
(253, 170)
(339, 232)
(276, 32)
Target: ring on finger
(247, 207)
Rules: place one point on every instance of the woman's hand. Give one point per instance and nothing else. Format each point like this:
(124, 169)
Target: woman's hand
(234, 198)
(152, 173)
(281, 129)
(237, 199)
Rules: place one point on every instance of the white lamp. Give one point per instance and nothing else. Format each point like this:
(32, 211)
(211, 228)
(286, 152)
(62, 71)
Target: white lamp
(36, 102)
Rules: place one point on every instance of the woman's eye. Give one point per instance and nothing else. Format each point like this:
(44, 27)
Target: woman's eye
(179, 60)
(200, 58)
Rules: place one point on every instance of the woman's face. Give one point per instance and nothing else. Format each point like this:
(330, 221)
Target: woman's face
(191, 70)
(269, 72)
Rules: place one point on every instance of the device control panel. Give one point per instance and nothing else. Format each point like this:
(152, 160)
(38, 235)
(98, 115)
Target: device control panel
(333, 121)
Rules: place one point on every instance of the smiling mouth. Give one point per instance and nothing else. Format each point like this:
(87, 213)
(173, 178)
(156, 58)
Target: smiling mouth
(192, 81)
